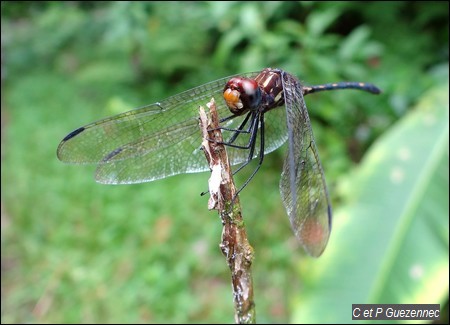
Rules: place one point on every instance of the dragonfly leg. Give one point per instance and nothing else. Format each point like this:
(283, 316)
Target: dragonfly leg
(253, 129)
(237, 131)
(254, 126)
(261, 155)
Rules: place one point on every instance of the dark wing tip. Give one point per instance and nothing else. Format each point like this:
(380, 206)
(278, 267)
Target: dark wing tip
(73, 134)
(59, 152)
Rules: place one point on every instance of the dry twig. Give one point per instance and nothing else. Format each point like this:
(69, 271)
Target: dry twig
(234, 245)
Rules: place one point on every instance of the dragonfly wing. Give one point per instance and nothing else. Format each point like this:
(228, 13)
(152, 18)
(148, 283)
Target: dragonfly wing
(275, 129)
(148, 143)
(154, 157)
(302, 186)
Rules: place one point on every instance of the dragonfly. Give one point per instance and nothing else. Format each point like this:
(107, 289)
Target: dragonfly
(164, 139)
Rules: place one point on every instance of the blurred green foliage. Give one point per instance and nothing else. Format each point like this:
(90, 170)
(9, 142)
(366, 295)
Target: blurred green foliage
(76, 251)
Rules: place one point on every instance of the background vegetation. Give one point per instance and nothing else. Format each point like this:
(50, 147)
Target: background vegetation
(76, 251)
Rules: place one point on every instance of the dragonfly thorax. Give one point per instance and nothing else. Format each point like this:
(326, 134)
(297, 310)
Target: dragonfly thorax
(270, 81)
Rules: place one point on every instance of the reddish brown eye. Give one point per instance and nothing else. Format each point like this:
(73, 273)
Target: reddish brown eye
(249, 86)
(241, 95)
(251, 94)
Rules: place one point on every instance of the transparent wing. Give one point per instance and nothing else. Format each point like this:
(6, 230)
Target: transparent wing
(275, 134)
(302, 186)
(155, 141)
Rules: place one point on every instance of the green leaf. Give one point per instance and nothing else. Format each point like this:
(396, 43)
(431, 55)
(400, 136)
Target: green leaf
(317, 22)
(390, 241)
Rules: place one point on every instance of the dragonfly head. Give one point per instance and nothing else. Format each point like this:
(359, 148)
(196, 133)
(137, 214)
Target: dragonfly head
(242, 95)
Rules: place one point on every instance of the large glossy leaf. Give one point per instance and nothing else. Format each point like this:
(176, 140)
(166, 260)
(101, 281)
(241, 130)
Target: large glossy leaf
(390, 242)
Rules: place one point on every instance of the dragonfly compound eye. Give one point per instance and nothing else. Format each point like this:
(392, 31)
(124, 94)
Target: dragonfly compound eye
(242, 95)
